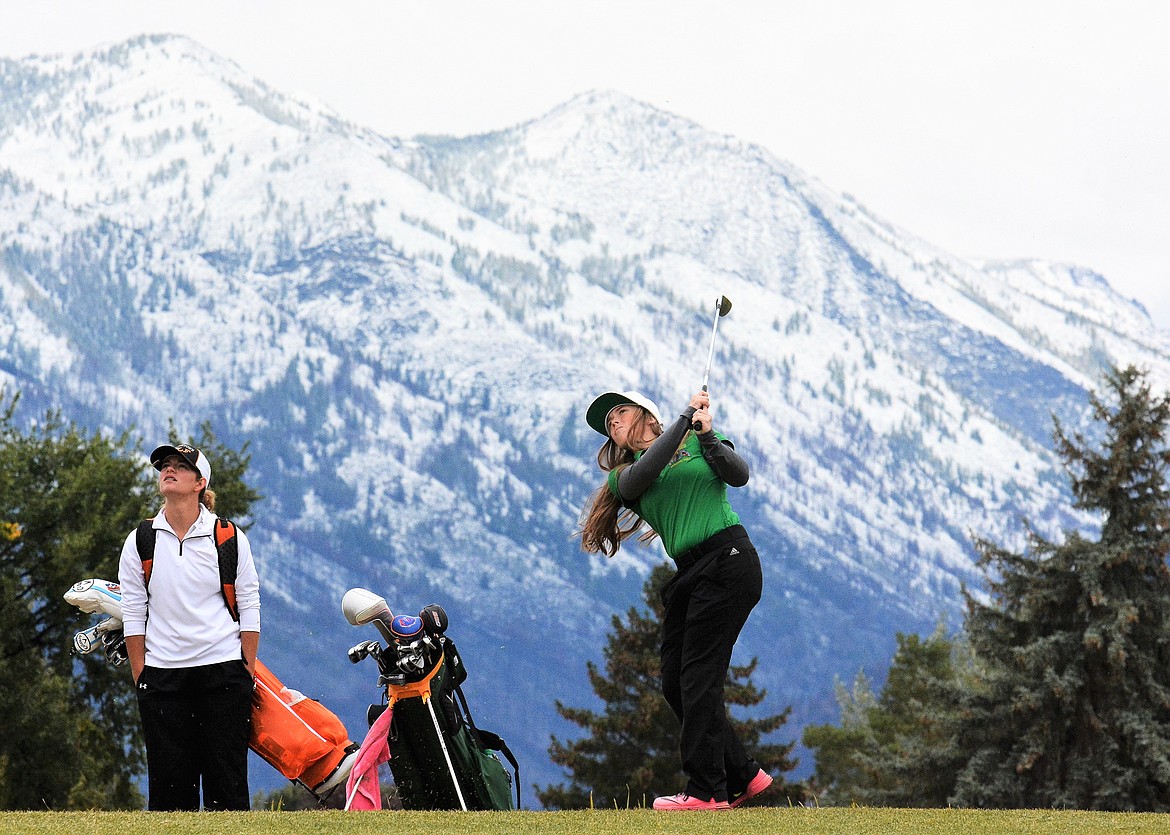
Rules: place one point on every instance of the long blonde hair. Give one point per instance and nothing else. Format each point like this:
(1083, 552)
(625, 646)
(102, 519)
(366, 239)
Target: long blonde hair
(605, 523)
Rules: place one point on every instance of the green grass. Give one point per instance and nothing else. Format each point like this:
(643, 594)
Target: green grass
(798, 821)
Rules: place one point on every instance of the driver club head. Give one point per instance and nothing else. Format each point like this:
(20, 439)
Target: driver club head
(362, 606)
(724, 305)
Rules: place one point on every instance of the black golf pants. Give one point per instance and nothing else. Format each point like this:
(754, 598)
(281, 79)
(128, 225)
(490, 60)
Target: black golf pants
(196, 722)
(706, 605)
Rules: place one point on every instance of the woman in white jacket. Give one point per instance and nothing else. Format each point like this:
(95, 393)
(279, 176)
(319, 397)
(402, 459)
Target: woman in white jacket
(192, 662)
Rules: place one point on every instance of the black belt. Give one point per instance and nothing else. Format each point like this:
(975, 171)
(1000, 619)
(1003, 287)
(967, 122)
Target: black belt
(717, 540)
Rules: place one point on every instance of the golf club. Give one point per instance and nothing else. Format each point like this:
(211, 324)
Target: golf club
(361, 606)
(362, 651)
(85, 642)
(722, 308)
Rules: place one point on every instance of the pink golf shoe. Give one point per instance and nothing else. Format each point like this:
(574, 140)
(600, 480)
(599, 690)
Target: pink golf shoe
(760, 782)
(683, 802)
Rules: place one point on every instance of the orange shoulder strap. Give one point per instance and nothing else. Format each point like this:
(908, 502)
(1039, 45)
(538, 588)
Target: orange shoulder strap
(227, 546)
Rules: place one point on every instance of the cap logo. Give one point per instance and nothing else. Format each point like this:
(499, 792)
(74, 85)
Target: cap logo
(186, 449)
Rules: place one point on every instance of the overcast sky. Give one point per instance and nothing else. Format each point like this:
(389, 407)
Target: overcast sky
(997, 128)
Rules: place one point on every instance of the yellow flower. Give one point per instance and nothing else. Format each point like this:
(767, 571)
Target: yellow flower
(9, 531)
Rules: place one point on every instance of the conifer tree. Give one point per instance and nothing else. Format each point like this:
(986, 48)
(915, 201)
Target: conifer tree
(67, 502)
(631, 754)
(895, 749)
(1072, 704)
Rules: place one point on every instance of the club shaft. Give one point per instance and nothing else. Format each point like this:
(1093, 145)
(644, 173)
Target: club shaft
(711, 350)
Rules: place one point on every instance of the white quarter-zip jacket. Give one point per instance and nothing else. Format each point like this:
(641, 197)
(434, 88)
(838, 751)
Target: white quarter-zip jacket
(184, 617)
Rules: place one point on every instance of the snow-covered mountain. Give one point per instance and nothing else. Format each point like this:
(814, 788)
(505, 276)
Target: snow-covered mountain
(408, 333)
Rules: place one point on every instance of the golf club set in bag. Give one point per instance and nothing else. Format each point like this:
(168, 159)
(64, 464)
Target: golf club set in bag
(439, 759)
(423, 727)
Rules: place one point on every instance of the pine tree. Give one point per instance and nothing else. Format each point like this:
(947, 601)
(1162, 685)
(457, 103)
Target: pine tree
(1072, 704)
(67, 502)
(895, 749)
(631, 754)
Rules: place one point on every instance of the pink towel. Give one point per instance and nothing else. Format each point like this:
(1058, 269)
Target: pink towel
(362, 792)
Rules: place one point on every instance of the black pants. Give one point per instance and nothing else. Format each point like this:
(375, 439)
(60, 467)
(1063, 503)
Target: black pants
(706, 605)
(196, 721)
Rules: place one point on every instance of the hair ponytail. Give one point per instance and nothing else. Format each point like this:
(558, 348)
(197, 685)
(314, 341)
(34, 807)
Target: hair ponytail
(207, 499)
(606, 525)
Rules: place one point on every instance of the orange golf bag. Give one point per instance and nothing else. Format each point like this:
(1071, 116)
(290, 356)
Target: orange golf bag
(299, 737)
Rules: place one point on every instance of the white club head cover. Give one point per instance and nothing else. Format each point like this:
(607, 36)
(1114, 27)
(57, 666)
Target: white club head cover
(96, 597)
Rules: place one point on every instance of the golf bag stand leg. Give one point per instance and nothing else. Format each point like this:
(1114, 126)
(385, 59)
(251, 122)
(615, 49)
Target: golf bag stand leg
(446, 753)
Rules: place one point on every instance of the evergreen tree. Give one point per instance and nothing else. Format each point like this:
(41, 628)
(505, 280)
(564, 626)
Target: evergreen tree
(67, 501)
(1072, 704)
(632, 753)
(896, 749)
(71, 735)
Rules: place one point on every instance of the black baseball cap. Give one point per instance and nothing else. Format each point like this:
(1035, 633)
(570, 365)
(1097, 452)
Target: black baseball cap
(188, 453)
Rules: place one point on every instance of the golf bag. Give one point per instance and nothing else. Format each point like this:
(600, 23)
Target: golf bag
(299, 737)
(424, 728)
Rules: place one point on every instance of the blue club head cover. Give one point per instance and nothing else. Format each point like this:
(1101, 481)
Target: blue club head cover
(406, 628)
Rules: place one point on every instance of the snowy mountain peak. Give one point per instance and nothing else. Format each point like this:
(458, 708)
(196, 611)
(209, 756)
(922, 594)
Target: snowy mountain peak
(617, 116)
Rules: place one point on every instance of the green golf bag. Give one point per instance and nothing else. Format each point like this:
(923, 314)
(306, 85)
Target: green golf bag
(439, 758)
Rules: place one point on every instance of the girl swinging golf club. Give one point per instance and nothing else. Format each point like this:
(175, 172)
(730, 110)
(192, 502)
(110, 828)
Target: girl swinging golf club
(675, 480)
